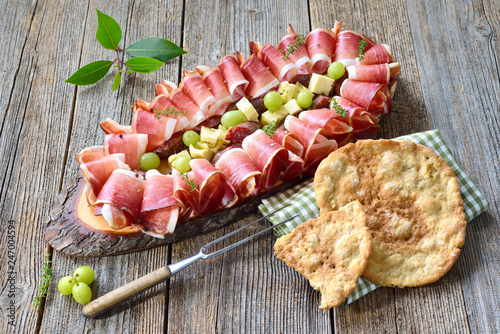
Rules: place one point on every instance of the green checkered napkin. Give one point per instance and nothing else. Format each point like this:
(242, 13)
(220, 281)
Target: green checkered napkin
(304, 201)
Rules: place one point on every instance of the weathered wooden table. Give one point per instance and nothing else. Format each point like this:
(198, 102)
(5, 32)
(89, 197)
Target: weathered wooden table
(450, 80)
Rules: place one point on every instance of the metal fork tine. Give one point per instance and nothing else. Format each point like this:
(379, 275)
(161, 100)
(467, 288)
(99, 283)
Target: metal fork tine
(236, 244)
(216, 241)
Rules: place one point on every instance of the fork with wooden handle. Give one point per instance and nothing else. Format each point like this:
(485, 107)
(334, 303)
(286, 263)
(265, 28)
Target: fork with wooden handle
(129, 290)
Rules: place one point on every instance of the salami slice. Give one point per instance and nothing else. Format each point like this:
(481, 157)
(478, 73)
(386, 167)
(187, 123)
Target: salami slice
(132, 145)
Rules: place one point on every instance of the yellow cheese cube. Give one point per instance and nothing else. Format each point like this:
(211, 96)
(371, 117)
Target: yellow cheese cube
(300, 88)
(222, 135)
(286, 90)
(247, 109)
(320, 84)
(292, 107)
(209, 135)
(219, 146)
(201, 152)
(172, 158)
(277, 116)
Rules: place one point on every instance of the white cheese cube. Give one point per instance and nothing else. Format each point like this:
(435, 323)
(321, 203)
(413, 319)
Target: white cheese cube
(320, 84)
(247, 109)
(172, 158)
(201, 152)
(277, 116)
(287, 91)
(292, 107)
(209, 135)
(300, 88)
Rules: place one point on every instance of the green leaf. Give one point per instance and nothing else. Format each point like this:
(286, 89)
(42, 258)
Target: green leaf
(154, 47)
(108, 33)
(144, 64)
(90, 73)
(116, 82)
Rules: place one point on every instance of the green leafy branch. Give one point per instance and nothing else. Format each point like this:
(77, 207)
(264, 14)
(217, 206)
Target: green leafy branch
(361, 49)
(300, 40)
(338, 108)
(168, 112)
(190, 182)
(270, 128)
(148, 54)
(43, 289)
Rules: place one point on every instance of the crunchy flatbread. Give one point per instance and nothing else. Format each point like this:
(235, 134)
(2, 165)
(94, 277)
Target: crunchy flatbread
(412, 201)
(330, 251)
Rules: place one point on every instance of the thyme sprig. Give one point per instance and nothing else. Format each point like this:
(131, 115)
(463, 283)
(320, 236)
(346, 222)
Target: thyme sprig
(270, 128)
(361, 49)
(43, 289)
(168, 112)
(294, 46)
(338, 108)
(190, 182)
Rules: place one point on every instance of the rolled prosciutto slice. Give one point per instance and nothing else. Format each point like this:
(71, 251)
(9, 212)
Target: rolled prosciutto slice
(289, 141)
(165, 87)
(294, 167)
(365, 124)
(234, 80)
(372, 96)
(211, 186)
(380, 73)
(120, 198)
(161, 105)
(237, 133)
(241, 172)
(185, 194)
(193, 86)
(112, 127)
(331, 121)
(269, 156)
(213, 79)
(158, 128)
(96, 173)
(90, 153)
(159, 209)
(296, 51)
(182, 102)
(260, 79)
(133, 145)
(347, 46)
(320, 44)
(283, 69)
(317, 147)
(378, 54)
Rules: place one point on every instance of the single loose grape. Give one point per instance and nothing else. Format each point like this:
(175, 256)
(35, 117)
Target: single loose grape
(149, 161)
(304, 99)
(84, 274)
(190, 138)
(182, 164)
(336, 70)
(273, 101)
(82, 293)
(232, 118)
(66, 284)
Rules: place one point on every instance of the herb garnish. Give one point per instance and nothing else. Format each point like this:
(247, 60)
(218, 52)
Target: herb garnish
(189, 182)
(361, 49)
(43, 289)
(168, 112)
(338, 108)
(294, 46)
(149, 54)
(270, 128)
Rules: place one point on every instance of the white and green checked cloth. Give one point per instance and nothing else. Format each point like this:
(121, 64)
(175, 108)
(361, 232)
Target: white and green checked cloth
(304, 201)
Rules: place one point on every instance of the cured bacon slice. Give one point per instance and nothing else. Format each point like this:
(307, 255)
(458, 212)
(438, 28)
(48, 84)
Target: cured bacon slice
(158, 129)
(331, 121)
(120, 198)
(90, 153)
(211, 186)
(133, 145)
(193, 86)
(162, 105)
(238, 133)
(96, 173)
(378, 54)
(112, 127)
(186, 196)
(294, 167)
(214, 80)
(299, 57)
(269, 156)
(365, 125)
(283, 69)
(165, 87)
(159, 209)
(374, 97)
(182, 102)
(316, 145)
(234, 80)
(380, 73)
(320, 44)
(260, 79)
(140, 104)
(241, 172)
(347, 46)
(289, 141)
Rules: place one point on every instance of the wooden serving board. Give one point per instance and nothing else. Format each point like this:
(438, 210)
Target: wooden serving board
(74, 230)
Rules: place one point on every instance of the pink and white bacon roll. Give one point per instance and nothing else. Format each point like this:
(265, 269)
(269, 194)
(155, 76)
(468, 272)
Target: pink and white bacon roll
(241, 172)
(294, 167)
(372, 96)
(212, 186)
(159, 129)
(159, 209)
(162, 105)
(269, 156)
(283, 69)
(347, 46)
(90, 153)
(182, 102)
(289, 141)
(234, 80)
(320, 44)
(193, 86)
(329, 120)
(186, 196)
(378, 54)
(213, 79)
(299, 57)
(379, 73)
(110, 126)
(364, 124)
(260, 79)
(133, 145)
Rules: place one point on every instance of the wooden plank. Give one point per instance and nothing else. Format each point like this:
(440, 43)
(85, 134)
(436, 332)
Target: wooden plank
(246, 290)
(461, 84)
(93, 104)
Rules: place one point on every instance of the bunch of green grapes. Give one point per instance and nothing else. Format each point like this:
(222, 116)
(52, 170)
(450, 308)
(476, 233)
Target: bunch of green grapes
(78, 284)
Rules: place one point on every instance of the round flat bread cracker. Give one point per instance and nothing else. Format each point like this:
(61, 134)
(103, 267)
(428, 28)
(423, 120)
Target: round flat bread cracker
(412, 201)
(331, 252)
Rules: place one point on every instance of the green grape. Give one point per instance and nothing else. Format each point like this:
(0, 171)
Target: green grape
(84, 274)
(82, 293)
(273, 101)
(149, 161)
(190, 138)
(182, 164)
(336, 70)
(66, 284)
(304, 99)
(232, 118)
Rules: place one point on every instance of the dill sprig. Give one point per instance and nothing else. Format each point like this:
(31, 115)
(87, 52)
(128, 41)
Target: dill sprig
(294, 46)
(338, 108)
(190, 182)
(361, 49)
(168, 112)
(270, 128)
(43, 289)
